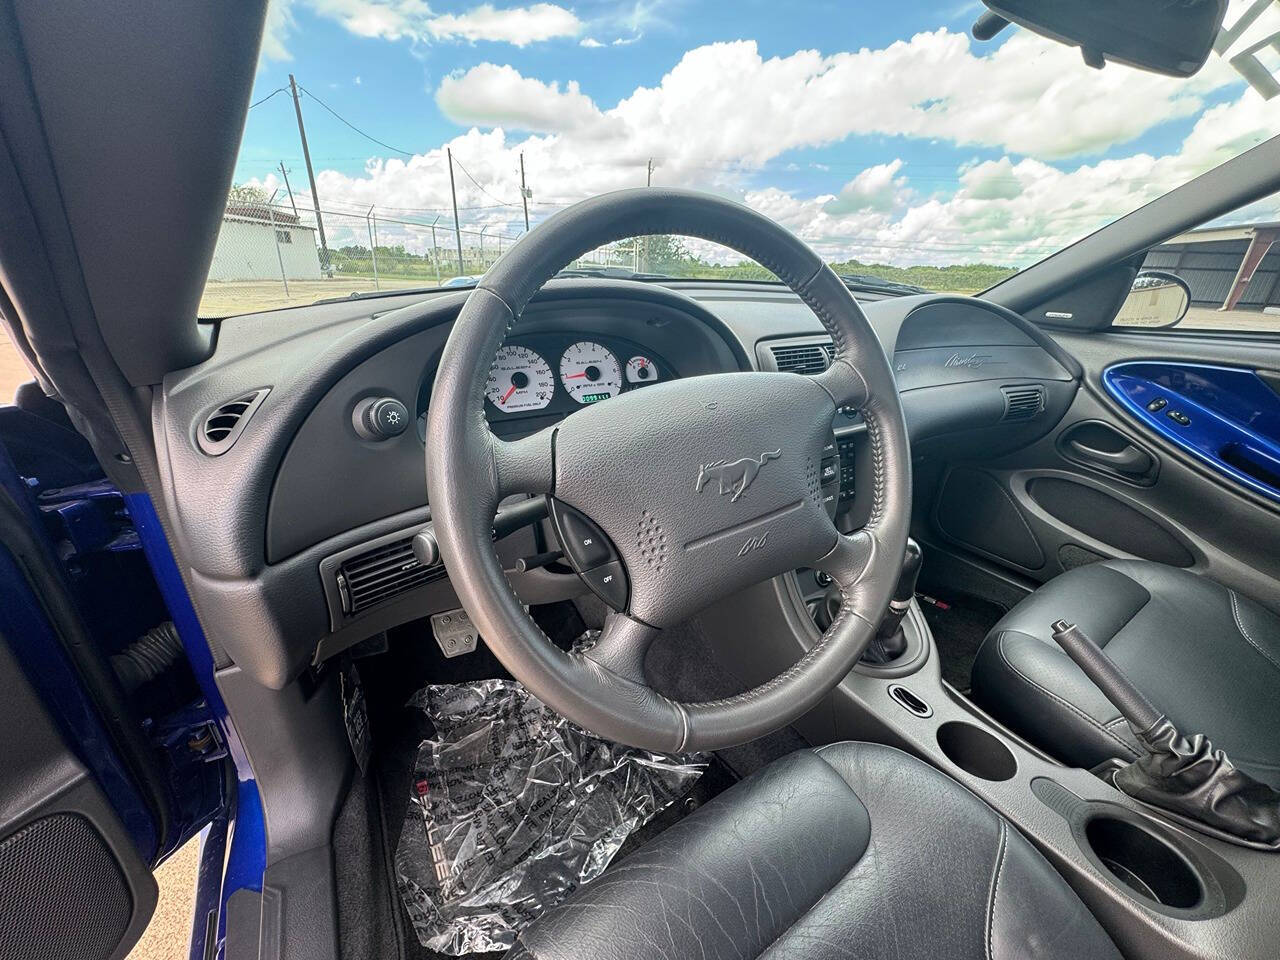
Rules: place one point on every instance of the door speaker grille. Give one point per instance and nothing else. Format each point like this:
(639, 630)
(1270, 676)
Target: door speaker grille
(62, 894)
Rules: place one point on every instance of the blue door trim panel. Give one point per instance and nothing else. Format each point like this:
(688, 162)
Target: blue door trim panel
(248, 854)
(1225, 417)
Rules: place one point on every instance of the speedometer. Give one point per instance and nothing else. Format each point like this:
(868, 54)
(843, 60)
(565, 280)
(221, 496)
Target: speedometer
(590, 372)
(519, 379)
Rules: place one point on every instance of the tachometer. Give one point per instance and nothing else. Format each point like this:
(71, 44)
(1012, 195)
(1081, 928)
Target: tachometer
(590, 372)
(519, 379)
(642, 370)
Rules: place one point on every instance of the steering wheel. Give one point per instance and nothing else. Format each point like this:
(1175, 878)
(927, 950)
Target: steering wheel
(701, 487)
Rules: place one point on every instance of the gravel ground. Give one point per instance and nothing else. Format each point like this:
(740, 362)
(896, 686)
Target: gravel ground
(167, 935)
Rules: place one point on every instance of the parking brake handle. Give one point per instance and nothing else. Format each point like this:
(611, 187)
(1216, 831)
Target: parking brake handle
(1183, 775)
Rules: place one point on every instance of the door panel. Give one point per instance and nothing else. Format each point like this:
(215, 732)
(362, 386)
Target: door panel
(71, 882)
(1105, 483)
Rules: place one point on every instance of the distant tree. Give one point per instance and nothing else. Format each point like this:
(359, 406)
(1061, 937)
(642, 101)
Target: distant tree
(668, 254)
(247, 194)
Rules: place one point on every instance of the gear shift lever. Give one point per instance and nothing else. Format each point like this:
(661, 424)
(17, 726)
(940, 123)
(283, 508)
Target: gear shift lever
(890, 642)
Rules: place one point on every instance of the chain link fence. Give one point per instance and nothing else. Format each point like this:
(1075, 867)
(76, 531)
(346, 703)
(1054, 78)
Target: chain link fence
(271, 255)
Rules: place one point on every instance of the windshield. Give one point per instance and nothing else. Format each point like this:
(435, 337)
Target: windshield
(395, 144)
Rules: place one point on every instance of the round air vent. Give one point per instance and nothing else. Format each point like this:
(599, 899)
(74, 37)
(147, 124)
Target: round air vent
(223, 425)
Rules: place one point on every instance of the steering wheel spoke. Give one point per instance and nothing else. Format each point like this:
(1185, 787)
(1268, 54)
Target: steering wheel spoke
(845, 384)
(526, 465)
(622, 646)
(847, 562)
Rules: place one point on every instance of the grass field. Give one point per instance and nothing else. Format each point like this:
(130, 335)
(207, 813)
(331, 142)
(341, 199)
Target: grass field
(228, 298)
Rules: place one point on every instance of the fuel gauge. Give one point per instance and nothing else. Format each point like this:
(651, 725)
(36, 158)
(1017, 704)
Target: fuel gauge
(641, 370)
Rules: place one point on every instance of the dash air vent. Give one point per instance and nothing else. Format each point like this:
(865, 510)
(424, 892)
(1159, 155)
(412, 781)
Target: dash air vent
(382, 573)
(806, 358)
(223, 426)
(1022, 403)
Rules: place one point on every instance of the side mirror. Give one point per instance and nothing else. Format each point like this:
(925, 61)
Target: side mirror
(1155, 300)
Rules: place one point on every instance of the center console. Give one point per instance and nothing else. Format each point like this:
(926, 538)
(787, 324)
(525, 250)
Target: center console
(1160, 889)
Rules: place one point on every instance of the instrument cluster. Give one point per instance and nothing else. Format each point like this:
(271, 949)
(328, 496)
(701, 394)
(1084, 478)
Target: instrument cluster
(551, 375)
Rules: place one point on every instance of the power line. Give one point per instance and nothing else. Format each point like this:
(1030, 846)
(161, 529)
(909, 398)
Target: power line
(348, 123)
(478, 187)
(267, 97)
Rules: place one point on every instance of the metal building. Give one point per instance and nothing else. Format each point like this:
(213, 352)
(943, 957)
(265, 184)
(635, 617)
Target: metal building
(257, 242)
(1228, 268)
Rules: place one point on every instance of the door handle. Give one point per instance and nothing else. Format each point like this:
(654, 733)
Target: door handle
(1129, 460)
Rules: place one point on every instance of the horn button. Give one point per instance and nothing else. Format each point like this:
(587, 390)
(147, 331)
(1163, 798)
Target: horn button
(684, 492)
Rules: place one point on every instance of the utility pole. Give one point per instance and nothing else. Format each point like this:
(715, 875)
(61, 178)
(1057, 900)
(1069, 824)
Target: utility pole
(482, 230)
(271, 212)
(373, 247)
(457, 227)
(288, 189)
(435, 251)
(306, 156)
(524, 193)
(642, 252)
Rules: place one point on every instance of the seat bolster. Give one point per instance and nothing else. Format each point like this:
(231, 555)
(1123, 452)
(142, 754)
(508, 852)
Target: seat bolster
(1033, 914)
(1037, 690)
(1258, 625)
(724, 882)
(1099, 598)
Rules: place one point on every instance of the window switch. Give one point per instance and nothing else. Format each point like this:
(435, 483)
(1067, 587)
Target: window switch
(1178, 417)
(1158, 404)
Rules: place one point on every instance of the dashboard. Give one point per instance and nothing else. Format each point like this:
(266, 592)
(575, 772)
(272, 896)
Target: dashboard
(302, 502)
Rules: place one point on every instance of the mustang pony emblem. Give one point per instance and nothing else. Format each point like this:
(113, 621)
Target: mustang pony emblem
(733, 477)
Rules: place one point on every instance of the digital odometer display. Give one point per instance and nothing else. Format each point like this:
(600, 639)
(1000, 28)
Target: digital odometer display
(594, 397)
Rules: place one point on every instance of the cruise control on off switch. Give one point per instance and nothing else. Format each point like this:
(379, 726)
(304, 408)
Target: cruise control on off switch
(591, 554)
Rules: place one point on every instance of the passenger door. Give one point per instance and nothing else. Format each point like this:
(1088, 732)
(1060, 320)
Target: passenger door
(1170, 451)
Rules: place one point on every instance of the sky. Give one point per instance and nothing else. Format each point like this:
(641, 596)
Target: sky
(879, 129)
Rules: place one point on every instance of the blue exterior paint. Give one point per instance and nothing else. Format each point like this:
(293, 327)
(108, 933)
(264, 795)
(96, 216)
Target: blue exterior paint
(1233, 414)
(36, 646)
(38, 649)
(247, 859)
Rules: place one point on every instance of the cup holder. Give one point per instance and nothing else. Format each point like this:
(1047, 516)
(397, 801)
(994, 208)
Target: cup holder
(1144, 862)
(975, 751)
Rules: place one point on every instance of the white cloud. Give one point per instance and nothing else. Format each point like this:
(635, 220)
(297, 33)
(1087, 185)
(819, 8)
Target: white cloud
(590, 43)
(876, 188)
(414, 20)
(724, 117)
(515, 25)
(496, 96)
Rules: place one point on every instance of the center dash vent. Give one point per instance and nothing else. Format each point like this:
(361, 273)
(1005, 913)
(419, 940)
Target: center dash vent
(382, 573)
(806, 358)
(223, 426)
(1022, 403)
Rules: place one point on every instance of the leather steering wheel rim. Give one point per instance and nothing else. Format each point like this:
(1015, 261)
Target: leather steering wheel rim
(630, 465)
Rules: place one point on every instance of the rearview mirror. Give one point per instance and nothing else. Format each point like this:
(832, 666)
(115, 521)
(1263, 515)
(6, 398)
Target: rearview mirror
(1155, 300)
(1163, 36)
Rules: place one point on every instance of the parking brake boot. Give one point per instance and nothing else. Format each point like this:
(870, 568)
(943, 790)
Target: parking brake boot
(1184, 775)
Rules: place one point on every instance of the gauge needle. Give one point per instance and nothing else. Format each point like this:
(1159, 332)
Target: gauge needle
(575, 376)
(507, 396)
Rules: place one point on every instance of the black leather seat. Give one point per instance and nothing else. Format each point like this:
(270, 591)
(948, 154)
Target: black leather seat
(850, 850)
(1206, 656)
